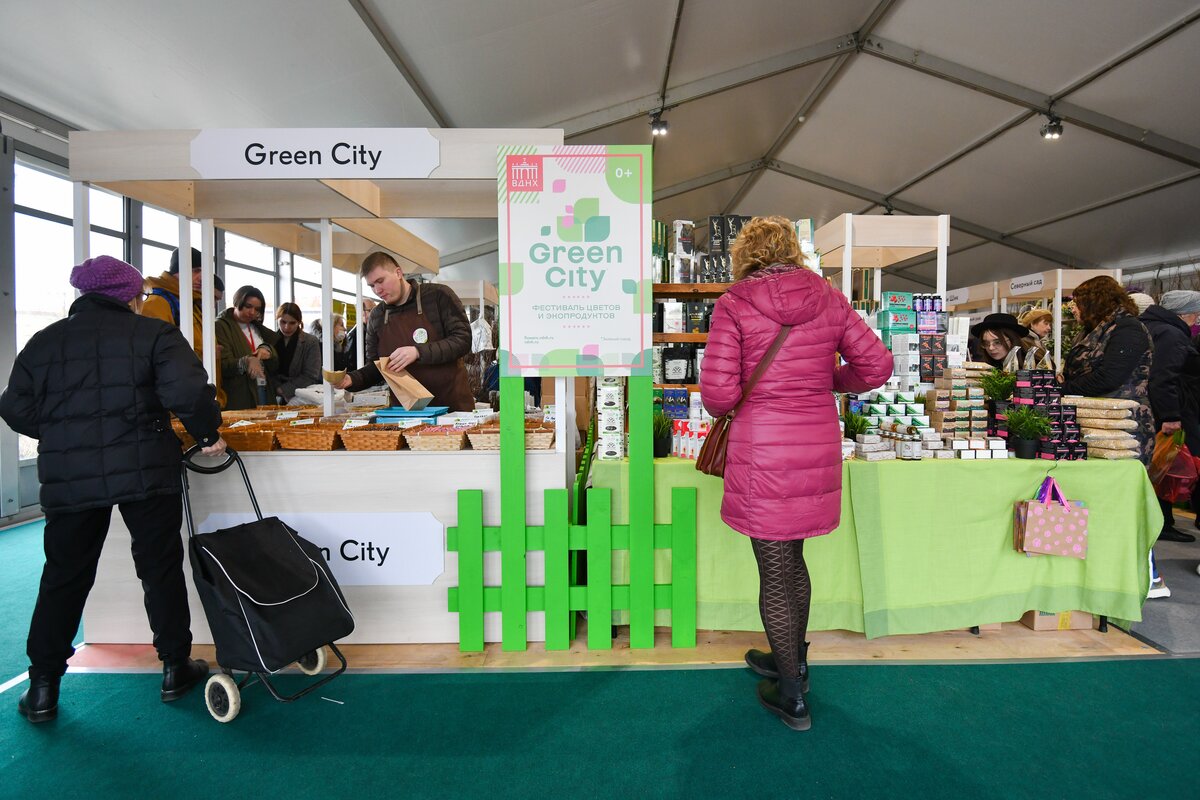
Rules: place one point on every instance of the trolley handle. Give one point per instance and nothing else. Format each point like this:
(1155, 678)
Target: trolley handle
(231, 457)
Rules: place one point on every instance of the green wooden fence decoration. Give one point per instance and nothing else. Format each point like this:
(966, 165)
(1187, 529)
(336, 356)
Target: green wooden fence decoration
(641, 513)
(596, 540)
(512, 512)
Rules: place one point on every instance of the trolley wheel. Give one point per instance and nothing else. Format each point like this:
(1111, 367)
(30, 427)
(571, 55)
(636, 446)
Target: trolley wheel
(222, 697)
(313, 663)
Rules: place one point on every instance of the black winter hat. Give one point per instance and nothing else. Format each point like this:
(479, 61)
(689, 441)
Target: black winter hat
(175, 260)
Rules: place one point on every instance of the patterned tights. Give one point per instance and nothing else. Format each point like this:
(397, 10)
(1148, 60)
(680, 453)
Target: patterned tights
(784, 595)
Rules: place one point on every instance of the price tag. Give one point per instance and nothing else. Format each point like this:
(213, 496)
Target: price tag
(308, 421)
(354, 423)
(241, 423)
(287, 415)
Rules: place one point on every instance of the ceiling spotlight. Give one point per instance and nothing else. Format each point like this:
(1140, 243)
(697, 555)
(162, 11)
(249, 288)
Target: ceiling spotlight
(658, 125)
(1053, 128)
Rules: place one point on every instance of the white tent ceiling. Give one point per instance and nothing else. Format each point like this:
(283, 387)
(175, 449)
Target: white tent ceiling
(920, 105)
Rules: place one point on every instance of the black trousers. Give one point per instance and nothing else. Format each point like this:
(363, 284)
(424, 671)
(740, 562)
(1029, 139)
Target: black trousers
(73, 542)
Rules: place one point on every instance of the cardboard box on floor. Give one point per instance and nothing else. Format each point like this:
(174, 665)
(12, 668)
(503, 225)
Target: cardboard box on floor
(585, 399)
(1061, 621)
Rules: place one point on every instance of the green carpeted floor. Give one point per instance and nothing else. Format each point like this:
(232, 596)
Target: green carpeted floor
(1088, 730)
(20, 570)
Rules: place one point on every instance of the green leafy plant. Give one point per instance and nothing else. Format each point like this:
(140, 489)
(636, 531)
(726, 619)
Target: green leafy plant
(998, 385)
(1025, 422)
(662, 425)
(854, 424)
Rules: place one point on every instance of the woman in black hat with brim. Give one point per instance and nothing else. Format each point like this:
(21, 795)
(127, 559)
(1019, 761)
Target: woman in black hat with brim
(997, 336)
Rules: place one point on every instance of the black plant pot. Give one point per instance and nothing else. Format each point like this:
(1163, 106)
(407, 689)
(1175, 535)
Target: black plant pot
(662, 447)
(1025, 448)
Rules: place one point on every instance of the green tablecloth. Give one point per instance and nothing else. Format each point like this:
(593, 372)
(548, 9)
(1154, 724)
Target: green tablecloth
(924, 546)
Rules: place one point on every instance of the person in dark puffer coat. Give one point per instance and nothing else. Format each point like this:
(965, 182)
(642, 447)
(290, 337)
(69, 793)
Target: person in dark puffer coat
(783, 473)
(1173, 372)
(96, 390)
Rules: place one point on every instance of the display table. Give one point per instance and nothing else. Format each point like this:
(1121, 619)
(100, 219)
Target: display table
(361, 491)
(927, 546)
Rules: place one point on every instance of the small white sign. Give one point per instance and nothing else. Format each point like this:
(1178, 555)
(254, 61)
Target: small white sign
(402, 548)
(315, 153)
(1026, 285)
(956, 296)
(287, 415)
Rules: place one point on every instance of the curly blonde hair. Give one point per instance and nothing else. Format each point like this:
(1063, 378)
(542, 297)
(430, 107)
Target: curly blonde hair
(764, 241)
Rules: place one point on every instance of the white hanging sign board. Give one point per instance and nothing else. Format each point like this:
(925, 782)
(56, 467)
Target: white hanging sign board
(315, 153)
(401, 548)
(956, 296)
(1026, 285)
(575, 279)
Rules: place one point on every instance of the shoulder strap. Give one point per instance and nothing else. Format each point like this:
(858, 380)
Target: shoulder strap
(172, 301)
(761, 369)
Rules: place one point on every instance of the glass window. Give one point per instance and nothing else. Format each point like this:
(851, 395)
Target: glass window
(249, 252)
(344, 280)
(309, 300)
(163, 227)
(37, 188)
(237, 277)
(305, 269)
(159, 226)
(106, 210)
(101, 244)
(155, 260)
(45, 255)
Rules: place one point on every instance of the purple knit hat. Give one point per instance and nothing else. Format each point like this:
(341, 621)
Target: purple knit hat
(108, 276)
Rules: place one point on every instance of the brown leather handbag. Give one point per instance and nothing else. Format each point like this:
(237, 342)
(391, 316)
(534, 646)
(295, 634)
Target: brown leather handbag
(711, 460)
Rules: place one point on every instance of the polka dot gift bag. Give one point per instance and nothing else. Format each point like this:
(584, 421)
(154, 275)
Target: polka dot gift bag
(1055, 526)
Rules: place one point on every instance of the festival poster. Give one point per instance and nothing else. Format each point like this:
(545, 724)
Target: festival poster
(575, 280)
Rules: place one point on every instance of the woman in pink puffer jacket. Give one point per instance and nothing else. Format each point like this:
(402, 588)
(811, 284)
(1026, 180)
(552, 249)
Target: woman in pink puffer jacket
(783, 468)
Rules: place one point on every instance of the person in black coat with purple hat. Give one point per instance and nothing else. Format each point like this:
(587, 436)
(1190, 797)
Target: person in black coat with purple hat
(97, 391)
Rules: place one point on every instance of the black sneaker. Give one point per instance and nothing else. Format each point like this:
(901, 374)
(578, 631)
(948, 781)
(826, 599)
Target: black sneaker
(1174, 535)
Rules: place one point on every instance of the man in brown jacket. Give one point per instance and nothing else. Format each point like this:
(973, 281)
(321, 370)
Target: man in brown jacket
(419, 327)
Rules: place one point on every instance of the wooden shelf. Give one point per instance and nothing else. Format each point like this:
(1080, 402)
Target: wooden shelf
(680, 338)
(704, 290)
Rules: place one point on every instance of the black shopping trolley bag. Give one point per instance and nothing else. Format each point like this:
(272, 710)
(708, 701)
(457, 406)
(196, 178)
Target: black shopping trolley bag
(267, 593)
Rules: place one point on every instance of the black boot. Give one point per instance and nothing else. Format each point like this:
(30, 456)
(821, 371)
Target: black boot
(784, 699)
(180, 676)
(764, 664)
(39, 703)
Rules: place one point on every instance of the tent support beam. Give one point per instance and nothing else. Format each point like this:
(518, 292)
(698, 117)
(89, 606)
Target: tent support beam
(905, 207)
(810, 102)
(695, 90)
(1100, 72)
(393, 53)
(460, 256)
(700, 182)
(1032, 99)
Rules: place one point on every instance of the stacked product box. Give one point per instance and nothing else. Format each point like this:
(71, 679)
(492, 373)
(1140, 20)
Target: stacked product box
(1039, 389)
(610, 418)
(885, 409)
(957, 410)
(689, 433)
(682, 258)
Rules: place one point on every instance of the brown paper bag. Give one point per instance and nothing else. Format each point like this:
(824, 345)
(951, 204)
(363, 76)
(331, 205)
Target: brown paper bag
(408, 390)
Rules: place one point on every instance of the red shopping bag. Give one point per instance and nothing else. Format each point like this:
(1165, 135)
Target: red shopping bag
(1166, 448)
(1180, 478)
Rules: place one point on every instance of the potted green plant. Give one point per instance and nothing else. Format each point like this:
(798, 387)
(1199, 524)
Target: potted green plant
(1026, 425)
(854, 424)
(998, 388)
(662, 435)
